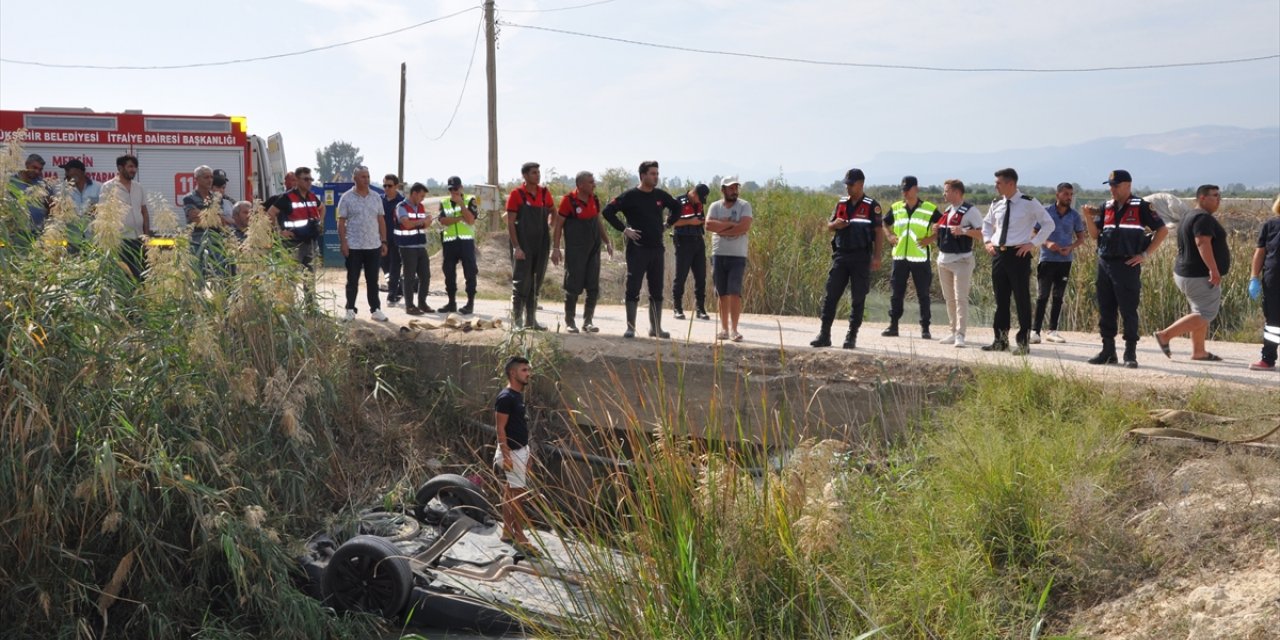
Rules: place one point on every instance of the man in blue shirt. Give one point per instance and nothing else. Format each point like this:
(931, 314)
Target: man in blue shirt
(1056, 256)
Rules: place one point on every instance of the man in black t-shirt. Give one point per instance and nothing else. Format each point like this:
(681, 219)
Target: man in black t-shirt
(646, 254)
(1203, 258)
(511, 422)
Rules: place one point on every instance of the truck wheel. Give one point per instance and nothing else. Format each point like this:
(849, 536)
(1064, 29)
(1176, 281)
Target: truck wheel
(457, 494)
(369, 574)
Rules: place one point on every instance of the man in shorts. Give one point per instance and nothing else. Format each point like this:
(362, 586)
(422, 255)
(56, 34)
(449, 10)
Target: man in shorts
(729, 219)
(1203, 258)
(511, 421)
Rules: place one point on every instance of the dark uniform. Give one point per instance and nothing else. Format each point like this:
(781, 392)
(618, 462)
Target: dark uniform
(582, 244)
(691, 255)
(458, 246)
(301, 213)
(1269, 242)
(1122, 230)
(646, 258)
(851, 250)
(390, 263)
(530, 211)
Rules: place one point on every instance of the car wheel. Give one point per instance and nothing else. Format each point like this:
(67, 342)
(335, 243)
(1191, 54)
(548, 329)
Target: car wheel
(368, 573)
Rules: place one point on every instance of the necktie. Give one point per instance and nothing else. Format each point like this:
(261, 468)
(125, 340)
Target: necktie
(1004, 224)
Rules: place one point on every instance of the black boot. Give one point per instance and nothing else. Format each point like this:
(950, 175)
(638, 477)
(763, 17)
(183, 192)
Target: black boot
(1108, 353)
(924, 332)
(589, 314)
(892, 330)
(851, 338)
(824, 336)
(655, 319)
(451, 307)
(1001, 343)
(631, 319)
(701, 313)
(678, 312)
(531, 314)
(517, 311)
(570, 310)
(468, 308)
(1131, 354)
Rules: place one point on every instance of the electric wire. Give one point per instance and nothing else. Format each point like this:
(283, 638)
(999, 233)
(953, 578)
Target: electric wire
(900, 67)
(475, 46)
(221, 63)
(552, 10)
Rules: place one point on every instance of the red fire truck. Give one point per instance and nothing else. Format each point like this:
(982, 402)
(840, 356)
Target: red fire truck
(168, 148)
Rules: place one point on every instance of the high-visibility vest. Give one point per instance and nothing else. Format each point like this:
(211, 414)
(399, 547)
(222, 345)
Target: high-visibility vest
(910, 228)
(1122, 234)
(301, 214)
(410, 237)
(458, 230)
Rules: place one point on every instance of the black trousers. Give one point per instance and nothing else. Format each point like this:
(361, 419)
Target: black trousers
(132, 254)
(1271, 311)
(645, 263)
(459, 251)
(363, 260)
(691, 255)
(1051, 280)
(1119, 289)
(392, 266)
(1011, 277)
(852, 270)
(921, 274)
(417, 274)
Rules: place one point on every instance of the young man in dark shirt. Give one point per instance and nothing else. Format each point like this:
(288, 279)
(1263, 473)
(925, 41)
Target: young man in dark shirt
(646, 254)
(512, 455)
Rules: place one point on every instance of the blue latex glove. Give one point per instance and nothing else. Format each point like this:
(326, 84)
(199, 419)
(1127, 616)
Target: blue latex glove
(1255, 288)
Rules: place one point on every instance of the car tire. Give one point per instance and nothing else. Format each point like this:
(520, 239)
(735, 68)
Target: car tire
(369, 574)
(457, 494)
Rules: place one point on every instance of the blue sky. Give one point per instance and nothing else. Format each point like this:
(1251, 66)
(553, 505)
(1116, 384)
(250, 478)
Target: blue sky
(574, 103)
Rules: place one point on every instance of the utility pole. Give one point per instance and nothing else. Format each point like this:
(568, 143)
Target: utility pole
(400, 165)
(491, 74)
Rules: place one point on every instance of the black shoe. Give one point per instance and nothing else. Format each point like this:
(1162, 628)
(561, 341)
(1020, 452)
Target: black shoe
(679, 314)
(925, 335)
(1105, 357)
(823, 340)
(383, 287)
(998, 345)
(1021, 350)
(891, 332)
(426, 308)
(412, 310)
(1130, 364)
(467, 309)
(850, 342)
(701, 314)
(449, 308)
(394, 299)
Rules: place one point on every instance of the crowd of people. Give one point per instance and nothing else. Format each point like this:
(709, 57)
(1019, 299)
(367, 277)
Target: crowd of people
(389, 231)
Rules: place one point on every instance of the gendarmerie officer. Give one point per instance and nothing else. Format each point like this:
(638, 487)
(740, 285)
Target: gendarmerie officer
(687, 231)
(1009, 231)
(642, 207)
(1120, 229)
(856, 244)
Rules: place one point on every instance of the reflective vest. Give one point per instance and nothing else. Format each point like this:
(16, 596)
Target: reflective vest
(910, 228)
(1122, 234)
(405, 236)
(458, 230)
(302, 214)
(860, 235)
(949, 243)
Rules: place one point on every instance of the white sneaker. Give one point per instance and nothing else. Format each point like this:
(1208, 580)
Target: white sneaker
(1054, 337)
(349, 315)
(959, 341)
(379, 316)
(1035, 337)
(951, 339)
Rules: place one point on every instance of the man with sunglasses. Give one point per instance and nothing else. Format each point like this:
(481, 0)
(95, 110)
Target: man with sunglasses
(391, 263)
(458, 244)
(299, 214)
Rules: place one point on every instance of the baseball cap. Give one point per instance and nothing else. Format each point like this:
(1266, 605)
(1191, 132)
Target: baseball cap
(908, 182)
(703, 191)
(455, 182)
(729, 180)
(73, 163)
(854, 175)
(1118, 176)
(219, 178)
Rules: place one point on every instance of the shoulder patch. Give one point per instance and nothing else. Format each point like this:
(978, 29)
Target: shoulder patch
(868, 200)
(844, 199)
(1027, 197)
(877, 208)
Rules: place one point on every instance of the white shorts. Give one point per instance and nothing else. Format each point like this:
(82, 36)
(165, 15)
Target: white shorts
(518, 474)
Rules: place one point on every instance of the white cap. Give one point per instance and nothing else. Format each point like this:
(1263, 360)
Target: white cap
(728, 180)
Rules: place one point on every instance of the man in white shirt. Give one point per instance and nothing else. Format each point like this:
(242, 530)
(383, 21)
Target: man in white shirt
(1009, 232)
(137, 222)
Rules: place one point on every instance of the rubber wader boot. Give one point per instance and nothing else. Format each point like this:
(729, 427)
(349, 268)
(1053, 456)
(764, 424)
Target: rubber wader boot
(517, 312)
(655, 319)
(531, 314)
(631, 319)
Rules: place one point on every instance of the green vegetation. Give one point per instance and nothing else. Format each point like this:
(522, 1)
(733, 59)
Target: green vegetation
(992, 515)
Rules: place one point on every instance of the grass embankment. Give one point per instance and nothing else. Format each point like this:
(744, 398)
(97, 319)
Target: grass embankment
(1000, 509)
(161, 446)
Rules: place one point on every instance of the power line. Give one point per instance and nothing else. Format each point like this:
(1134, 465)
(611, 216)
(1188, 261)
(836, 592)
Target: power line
(222, 63)
(908, 67)
(576, 6)
(474, 46)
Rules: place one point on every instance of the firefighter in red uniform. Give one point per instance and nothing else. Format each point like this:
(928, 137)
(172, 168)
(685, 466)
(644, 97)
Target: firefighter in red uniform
(1120, 229)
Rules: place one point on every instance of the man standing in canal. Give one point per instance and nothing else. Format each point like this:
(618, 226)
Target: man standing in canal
(529, 211)
(512, 455)
(642, 208)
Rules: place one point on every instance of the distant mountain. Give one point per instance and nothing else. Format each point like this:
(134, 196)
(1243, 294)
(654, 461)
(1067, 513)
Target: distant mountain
(1176, 159)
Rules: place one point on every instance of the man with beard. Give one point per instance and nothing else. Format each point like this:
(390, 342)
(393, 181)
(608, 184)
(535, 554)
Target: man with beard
(642, 208)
